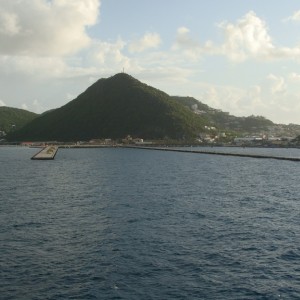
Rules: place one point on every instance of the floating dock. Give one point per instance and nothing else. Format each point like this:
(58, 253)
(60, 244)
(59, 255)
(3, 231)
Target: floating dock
(47, 153)
(216, 153)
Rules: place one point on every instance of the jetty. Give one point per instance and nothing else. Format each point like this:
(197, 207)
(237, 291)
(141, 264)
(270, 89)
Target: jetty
(216, 153)
(47, 153)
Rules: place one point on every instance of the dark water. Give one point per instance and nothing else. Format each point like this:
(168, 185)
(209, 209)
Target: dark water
(137, 224)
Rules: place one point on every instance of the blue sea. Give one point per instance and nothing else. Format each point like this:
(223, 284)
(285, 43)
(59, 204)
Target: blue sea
(118, 223)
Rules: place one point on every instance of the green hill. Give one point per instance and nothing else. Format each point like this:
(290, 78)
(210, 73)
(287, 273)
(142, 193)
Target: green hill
(224, 120)
(113, 108)
(14, 118)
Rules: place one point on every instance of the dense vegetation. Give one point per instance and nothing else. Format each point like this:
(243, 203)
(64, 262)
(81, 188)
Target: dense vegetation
(224, 120)
(121, 105)
(113, 108)
(14, 118)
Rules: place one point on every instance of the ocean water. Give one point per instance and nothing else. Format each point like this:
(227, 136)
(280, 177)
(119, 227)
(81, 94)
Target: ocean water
(137, 224)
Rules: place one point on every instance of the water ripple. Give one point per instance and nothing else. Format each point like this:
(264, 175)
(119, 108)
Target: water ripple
(134, 224)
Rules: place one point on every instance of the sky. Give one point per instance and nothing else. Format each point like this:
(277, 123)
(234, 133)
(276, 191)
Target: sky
(242, 57)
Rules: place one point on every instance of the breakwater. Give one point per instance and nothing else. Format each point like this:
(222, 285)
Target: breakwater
(47, 153)
(296, 159)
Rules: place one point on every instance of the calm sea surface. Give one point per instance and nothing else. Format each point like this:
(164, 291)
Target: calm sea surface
(138, 224)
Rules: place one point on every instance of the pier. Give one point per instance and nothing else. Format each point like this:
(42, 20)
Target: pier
(217, 153)
(47, 153)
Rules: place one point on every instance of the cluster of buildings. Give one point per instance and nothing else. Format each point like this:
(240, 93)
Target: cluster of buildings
(274, 135)
(263, 140)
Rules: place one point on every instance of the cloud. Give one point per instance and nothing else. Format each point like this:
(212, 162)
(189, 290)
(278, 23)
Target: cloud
(192, 49)
(37, 107)
(24, 106)
(8, 23)
(183, 39)
(34, 106)
(36, 66)
(108, 57)
(41, 67)
(271, 99)
(170, 79)
(41, 38)
(295, 77)
(2, 103)
(247, 38)
(148, 41)
(278, 84)
(50, 28)
(295, 17)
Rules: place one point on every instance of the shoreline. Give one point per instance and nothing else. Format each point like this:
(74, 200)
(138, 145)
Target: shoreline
(87, 146)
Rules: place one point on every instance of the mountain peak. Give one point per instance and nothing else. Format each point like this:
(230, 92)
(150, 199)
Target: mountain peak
(122, 77)
(113, 108)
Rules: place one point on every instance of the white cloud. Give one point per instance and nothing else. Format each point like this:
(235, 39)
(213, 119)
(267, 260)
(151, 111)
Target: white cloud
(236, 101)
(37, 107)
(282, 106)
(295, 17)
(34, 106)
(2, 103)
(255, 96)
(192, 49)
(39, 37)
(295, 77)
(39, 27)
(36, 66)
(278, 84)
(170, 79)
(43, 67)
(248, 37)
(148, 41)
(8, 23)
(24, 106)
(109, 56)
(184, 39)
